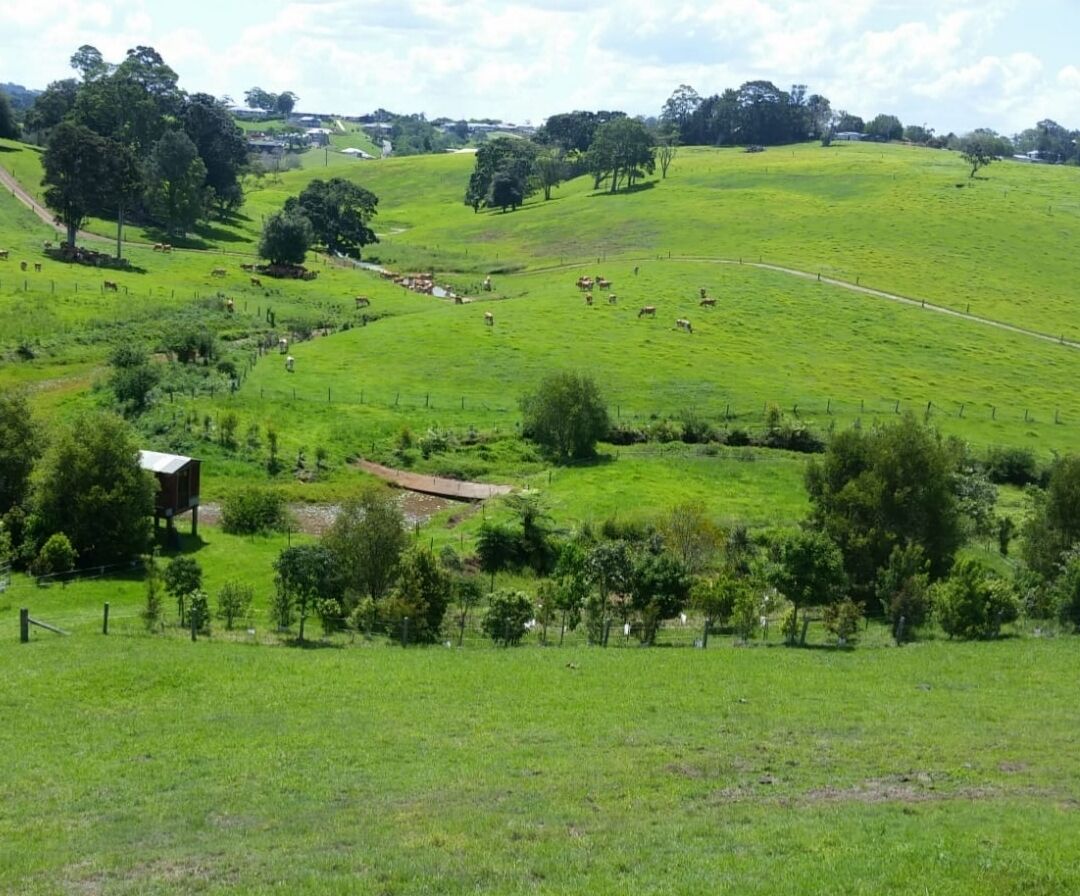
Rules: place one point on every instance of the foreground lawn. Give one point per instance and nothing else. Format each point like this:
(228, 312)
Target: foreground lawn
(143, 765)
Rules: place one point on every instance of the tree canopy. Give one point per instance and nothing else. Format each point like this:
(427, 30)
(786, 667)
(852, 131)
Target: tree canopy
(286, 238)
(622, 151)
(566, 414)
(339, 212)
(90, 487)
(874, 490)
(502, 175)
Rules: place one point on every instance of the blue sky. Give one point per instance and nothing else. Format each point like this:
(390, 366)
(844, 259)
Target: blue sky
(950, 64)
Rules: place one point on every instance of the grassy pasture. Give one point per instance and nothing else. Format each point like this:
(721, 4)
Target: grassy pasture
(141, 765)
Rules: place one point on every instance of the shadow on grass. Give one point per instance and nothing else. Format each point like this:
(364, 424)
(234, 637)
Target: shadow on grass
(625, 191)
(308, 644)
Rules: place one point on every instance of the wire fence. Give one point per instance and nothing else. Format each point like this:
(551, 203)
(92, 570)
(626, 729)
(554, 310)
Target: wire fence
(691, 404)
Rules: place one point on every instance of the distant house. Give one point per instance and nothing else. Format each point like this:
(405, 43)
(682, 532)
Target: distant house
(178, 486)
(1035, 156)
(266, 146)
(318, 136)
(356, 153)
(848, 135)
(387, 148)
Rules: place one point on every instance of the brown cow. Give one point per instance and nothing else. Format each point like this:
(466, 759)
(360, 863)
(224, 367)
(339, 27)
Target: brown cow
(489, 318)
(37, 267)
(255, 281)
(22, 265)
(362, 301)
(4, 254)
(230, 306)
(458, 300)
(707, 303)
(588, 298)
(612, 299)
(166, 247)
(218, 272)
(110, 285)
(601, 283)
(647, 311)
(159, 247)
(701, 291)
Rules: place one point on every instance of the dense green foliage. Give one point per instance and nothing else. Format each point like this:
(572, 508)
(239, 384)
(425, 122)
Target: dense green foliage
(1054, 525)
(340, 213)
(566, 414)
(251, 510)
(972, 603)
(286, 238)
(21, 444)
(91, 488)
(877, 489)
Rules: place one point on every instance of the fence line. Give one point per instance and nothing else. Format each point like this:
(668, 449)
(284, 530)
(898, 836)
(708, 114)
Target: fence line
(818, 409)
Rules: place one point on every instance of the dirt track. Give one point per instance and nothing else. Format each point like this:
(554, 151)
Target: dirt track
(434, 485)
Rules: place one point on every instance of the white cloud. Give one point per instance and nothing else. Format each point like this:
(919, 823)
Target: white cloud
(954, 63)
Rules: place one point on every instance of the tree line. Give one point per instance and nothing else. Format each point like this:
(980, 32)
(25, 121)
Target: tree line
(125, 141)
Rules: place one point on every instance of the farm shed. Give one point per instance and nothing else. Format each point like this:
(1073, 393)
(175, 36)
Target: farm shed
(178, 486)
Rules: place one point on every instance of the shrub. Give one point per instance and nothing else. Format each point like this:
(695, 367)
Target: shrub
(507, 614)
(199, 612)
(151, 613)
(737, 438)
(566, 415)
(234, 602)
(252, 510)
(665, 431)
(903, 590)
(183, 575)
(56, 556)
(1014, 466)
(696, 430)
(624, 434)
(843, 618)
(972, 604)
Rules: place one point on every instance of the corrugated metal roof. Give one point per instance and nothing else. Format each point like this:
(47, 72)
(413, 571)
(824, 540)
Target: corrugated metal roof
(156, 462)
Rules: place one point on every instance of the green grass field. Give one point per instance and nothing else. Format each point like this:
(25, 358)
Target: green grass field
(142, 765)
(146, 764)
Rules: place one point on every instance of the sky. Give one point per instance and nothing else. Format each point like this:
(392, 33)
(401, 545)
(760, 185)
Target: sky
(952, 65)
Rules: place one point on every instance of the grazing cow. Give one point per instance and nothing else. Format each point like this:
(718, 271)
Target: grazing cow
(166, 247)
(22, 265)
(37, 267)
(612, 299)
(486, 285)
(362, 301)
(218, 272)
(255, 281)
(601, 283)
(635, 270)
(458, 300)
(110, 285)
(588, 298)
(707, 303)
(247, 267)
(489, 318)
(584, 283)
(283, 345)
(683, 324)
(4, 254)
(159, 247)
(701, 291)
(47, 244)
(230, 306)
(647, 311)
(290, 361)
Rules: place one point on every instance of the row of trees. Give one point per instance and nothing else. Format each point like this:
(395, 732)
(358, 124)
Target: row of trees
(126, 141)
(618, 151)
(281, 103)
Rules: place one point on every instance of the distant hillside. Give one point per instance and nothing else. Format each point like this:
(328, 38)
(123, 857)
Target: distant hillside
(22, 98)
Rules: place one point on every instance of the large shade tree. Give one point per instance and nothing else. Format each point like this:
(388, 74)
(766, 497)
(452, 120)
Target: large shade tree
(339, 212)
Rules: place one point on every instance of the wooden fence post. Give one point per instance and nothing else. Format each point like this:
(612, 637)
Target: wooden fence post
(24, 625)
(105, 620)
